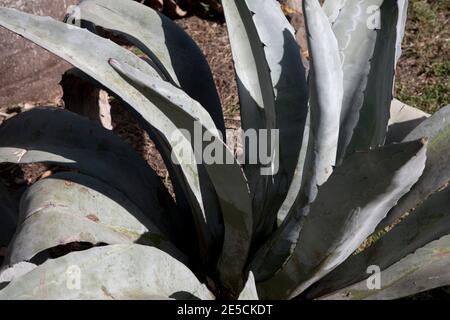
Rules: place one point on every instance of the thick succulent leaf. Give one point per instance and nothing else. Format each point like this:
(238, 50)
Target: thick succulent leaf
(104, 273)
(8, 216)
(326, 91)
(70, 207)
(92, 58)
(287, 73)
(272, 254)
(173, 52)
(425, 269)
(234, 197)
(61, 137)
(189, 114)
(332, 8)
(290, 203)
(249, 292)
(256, 93)
(277, 248)
(367, 37)
(427, 223)
(403, 120)
(374, 115)
(16, 271)
(252, 71)
(348, 207)
(437, 169)
(318, 152)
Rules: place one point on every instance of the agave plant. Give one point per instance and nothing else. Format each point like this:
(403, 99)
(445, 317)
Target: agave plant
(236, 229)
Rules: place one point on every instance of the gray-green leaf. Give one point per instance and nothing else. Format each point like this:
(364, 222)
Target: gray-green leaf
(326, 91)
(224, 171)
(425, 269)
(70, 207)
(103, 273)
(173, 52)
(348, 207)
(319, 144)
(291, 103)
(427, 223)
(367, 35)
(61, 137)
(437, 169)
(257, 98)
(92, 58)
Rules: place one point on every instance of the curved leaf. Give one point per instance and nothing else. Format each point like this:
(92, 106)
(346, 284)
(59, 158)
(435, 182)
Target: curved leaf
(287, 73)
(437, 168)
(319, 147)
(253, 75)
(346, 211)
(189, 115)
(71, 207)
(371, 128)
(256, 96)
(427, 223)
(291, 202)
(367, 35)
(103, 273)
(235, 205)
(326, 90)
(175, 54)
(425, 269)
(92, 58)
(61, 137)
